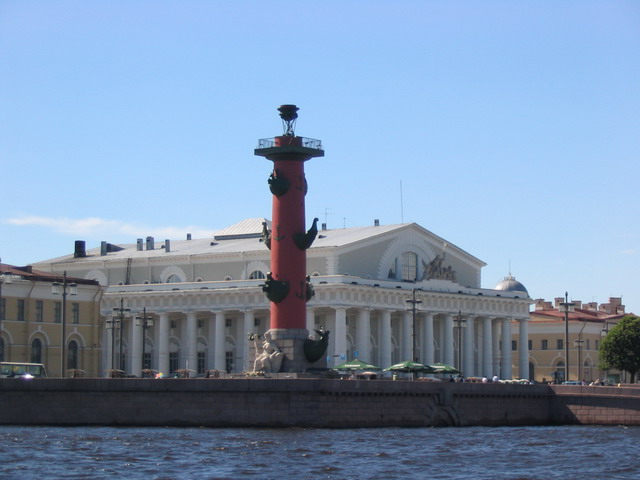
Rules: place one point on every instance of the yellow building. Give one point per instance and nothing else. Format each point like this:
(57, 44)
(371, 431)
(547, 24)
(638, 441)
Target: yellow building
(33, 319)
(587, 323)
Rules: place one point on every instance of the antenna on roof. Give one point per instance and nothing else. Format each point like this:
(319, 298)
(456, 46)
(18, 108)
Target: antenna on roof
(401, 205)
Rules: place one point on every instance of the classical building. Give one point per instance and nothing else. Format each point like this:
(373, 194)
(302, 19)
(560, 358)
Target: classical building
(31, 316)
(386, 293)
(546, 344)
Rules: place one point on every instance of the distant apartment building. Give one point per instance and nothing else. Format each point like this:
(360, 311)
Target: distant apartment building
(31, 321)
(587, 324)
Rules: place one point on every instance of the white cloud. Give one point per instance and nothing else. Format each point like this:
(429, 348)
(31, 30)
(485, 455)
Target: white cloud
(100, 228)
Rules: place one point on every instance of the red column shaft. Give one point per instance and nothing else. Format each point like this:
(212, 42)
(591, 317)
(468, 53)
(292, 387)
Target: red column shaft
(288, 262)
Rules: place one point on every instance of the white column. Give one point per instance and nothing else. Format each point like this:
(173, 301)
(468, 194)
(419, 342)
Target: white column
(385, 339)
(495, 364)
(211, 341)
(311, 320)
(220, 353)
(407, 336)
(340, 345)
(191, 359)
(135, 355)
(363, 335)
(163, 344)
(427, 339)
(487, 355)
(506, 349)
(524, 347)
(447, 340)
(108, 349)
(469, 336)
(248, 327)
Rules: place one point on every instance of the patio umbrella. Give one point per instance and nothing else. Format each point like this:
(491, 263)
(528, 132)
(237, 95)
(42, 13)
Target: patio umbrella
(409, 367)
(355, 365)
(444, 368)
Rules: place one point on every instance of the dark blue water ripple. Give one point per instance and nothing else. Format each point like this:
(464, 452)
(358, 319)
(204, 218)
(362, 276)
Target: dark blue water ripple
(514, 453)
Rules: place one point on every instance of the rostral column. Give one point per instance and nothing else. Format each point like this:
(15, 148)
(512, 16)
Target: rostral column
(287, 285)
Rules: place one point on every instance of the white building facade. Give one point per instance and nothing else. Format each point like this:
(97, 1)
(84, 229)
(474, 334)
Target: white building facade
(386, 294)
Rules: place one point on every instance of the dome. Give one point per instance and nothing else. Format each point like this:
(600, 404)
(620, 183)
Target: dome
(510, 284)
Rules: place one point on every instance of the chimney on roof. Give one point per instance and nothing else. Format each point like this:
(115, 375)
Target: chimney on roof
(188, 236)
(167, 245)
(150, 243)
(139, 244)
(103, 248)
(80, 250)
(376, 223)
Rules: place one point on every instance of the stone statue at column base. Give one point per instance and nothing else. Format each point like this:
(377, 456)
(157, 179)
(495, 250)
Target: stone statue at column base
(270, 358)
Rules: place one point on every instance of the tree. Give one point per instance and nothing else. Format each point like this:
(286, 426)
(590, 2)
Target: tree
(620, 349)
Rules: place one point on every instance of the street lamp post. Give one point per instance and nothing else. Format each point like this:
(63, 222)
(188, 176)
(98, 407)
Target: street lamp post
(7, 278)
(112, 324)
(120, 311)
(603, 334)
(460, 323)
(144, 322)
(58, 288)
(567, 305)
(414, 303)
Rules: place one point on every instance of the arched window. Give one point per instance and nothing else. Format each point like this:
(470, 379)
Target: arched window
(1, 349)
(72, 355)
(173, 279)
(256, 275)
(409, 266)
(36, 351)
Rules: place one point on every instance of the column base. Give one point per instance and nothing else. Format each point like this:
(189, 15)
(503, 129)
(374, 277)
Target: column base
(291, 343)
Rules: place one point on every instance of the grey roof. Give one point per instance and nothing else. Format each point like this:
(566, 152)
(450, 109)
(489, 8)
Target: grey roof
(244, 236)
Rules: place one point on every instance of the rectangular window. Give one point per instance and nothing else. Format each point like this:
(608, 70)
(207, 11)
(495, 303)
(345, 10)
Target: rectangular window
(514, 344)
(229, 361)
(57, 312)
(227, 322)
(173, 361)
(256, 322)
(597, 345)
(409, 266)
(588, 344)
(147, 360)
(559, 344)
(39, 310)
(530, 344)
(75, 313)
(2, 308)
(201, 362)
(172, 324)
(200, 323)
(20, 310)
(544, 345)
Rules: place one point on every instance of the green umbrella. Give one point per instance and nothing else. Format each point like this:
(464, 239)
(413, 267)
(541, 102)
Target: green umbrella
(409, 367)
(355, 365)
(444, 368)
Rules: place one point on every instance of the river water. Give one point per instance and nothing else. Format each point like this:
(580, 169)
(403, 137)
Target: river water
(387, 453)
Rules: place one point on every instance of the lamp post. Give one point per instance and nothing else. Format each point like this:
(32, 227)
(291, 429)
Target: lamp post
(603, 334)
(120, 311)
(460, 323)
(567, 305)
(112, 324)
(58, 288)
(144, 322)
(414, 303)
(7, 278)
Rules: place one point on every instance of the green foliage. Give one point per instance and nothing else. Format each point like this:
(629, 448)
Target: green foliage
(620, 349)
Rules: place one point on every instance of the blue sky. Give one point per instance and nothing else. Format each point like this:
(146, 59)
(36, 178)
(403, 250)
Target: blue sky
(508, 128)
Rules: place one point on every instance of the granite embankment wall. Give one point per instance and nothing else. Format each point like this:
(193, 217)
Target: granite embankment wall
(308, 403)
